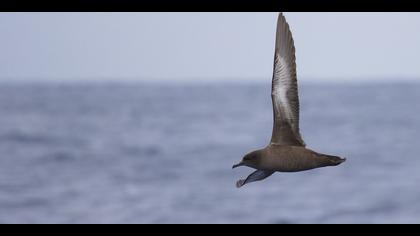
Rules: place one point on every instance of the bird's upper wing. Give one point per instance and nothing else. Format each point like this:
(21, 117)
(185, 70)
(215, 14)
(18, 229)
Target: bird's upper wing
(284, 91)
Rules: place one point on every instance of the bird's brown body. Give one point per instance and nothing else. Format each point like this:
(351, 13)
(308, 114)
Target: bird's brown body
(285, 158)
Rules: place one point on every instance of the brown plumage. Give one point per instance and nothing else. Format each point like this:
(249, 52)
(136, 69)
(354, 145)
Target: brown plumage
(286, 151)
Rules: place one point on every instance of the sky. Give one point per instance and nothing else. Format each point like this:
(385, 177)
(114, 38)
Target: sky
(206, 46)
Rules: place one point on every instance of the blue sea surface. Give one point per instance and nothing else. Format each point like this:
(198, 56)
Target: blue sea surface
(162, 153)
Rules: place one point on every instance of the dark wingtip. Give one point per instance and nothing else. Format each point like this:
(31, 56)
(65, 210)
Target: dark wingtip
(240, 183)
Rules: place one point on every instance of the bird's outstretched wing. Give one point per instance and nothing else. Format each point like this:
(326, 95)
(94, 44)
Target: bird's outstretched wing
(284, 91)
(255, 176)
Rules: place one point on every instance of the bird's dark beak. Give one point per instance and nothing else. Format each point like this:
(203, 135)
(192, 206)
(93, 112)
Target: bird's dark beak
(237, 165)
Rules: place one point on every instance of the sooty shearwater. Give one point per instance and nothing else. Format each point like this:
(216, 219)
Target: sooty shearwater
(286, 151)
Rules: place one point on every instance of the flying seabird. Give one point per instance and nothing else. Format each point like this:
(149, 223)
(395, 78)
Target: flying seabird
(286, 151)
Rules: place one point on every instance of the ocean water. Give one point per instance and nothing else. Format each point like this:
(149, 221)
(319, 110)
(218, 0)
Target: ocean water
(155, 153)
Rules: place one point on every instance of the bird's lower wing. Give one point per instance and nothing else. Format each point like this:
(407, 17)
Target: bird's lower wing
(255, 176)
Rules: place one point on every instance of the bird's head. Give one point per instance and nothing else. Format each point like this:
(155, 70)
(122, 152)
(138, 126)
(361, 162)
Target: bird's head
(251, 160)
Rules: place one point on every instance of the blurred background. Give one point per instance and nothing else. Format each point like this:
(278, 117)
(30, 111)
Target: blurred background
(138, 117)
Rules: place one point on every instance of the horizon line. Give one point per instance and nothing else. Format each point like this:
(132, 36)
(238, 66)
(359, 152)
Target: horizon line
(198, 78)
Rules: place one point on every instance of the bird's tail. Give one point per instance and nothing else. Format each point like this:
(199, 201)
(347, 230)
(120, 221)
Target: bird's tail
(334, 160)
